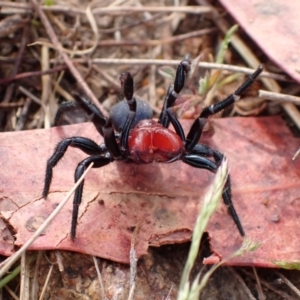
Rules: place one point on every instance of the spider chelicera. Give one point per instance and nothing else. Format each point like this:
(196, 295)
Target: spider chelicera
(131, 135)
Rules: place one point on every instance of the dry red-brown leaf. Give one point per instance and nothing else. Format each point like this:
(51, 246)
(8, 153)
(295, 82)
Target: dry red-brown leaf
(161, 199)
(274, 26)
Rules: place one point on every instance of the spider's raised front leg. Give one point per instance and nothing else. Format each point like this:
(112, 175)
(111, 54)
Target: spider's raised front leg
(196, 154)
(198, 125)
(173, 91)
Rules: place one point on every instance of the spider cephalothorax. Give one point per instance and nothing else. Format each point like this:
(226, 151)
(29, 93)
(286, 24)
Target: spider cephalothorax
(130, 134)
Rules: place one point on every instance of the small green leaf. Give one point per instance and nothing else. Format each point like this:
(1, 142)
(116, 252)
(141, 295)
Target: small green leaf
(49, 2)
(225, 43)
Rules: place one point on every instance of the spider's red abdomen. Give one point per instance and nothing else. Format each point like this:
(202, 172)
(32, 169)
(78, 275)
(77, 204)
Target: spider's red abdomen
(149, 141)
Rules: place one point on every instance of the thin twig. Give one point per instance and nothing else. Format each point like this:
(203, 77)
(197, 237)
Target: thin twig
(242, 283)
(278, 97)
(10, 89)
(143, 43)
(23, 275)
(259, 288)
(282, 294)
(131, 25)
(11, 105)
(289, 284)
(20, 76)
(11, 293)
(112, 10)
(103, 297)
(59, 261)
(131, 292)
(31, 96)
(296, 154)
(45, 88)
(35, 276)
(169, 293)
(133, 261)
(159, 9)
(46, 283)
(25, 270)
(23, 115)
(161, 62)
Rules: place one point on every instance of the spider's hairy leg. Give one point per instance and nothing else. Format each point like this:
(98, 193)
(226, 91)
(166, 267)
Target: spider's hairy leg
(236, 96)
(64, 107)
(176, 124)
(92, 111)
(173, 91)
(82, 102)
(86, 145)
(99, 161)
(101, 123)
(198, 159)
(198, 125)
(126, 81)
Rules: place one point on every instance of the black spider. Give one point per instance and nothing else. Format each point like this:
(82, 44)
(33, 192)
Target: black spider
(130, 134)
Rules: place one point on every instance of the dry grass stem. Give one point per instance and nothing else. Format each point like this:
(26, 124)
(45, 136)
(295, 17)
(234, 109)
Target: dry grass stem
(35, 277)
(31, 96)
(25, 270)
(169, 294)
(11, 293)
(296, 154)
(131, 292)
(102, 290)
(110, 10)
(243, 284)
(289, 284)
(133, 261)
(278, 97)
(162, 62)
(46, 86)
(46, 283)
(118, 42)
(260, 292)
(264, 283)
(59, 261)
(19, 76)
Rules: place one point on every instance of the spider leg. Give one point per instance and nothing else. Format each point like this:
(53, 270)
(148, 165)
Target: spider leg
(86, 145)
(82, 102)
(176, 124)
(198, 158)
(92, 110)
(198, 125)
(127, 87)
(101, 123)
(173, 91)
(99, 161)
(65, 106)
